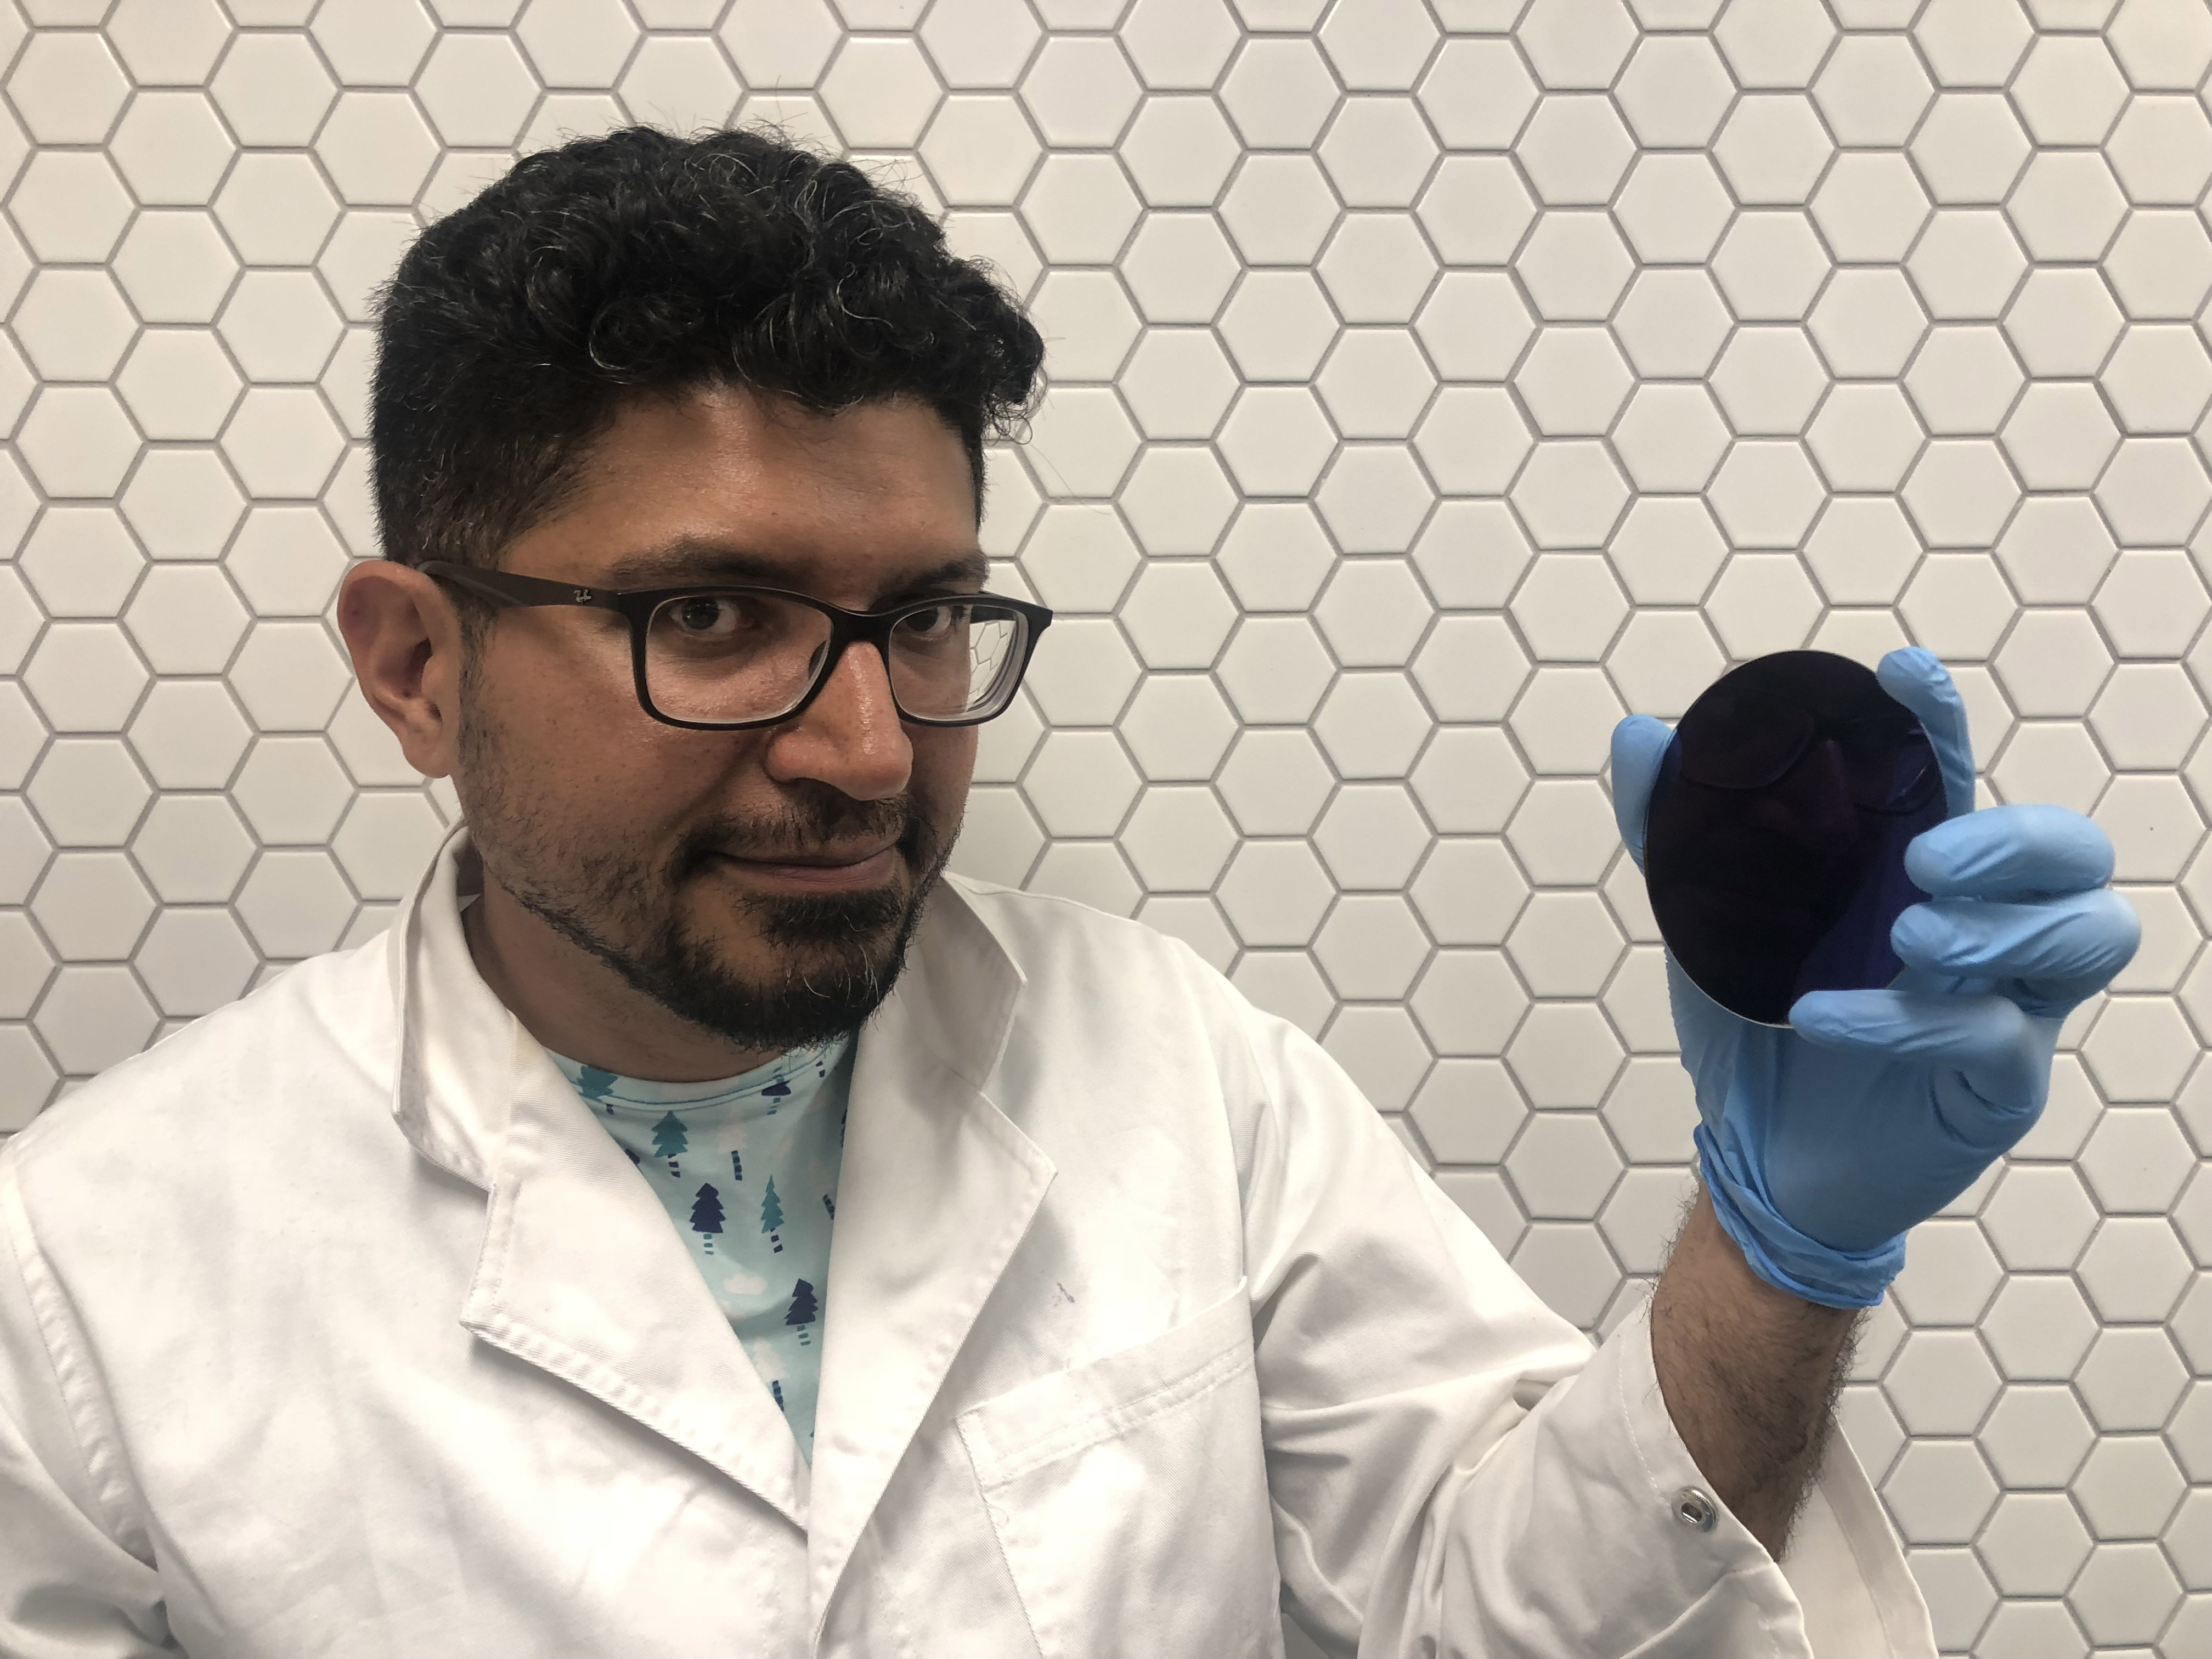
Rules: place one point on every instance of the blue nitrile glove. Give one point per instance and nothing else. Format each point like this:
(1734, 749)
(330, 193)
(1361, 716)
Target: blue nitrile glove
(1823, 1143)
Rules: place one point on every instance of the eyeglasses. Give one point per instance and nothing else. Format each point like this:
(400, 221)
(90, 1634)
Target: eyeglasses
(718, 659)
(1753, 736)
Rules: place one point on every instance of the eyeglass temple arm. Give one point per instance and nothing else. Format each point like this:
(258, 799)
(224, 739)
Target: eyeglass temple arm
(503, 587)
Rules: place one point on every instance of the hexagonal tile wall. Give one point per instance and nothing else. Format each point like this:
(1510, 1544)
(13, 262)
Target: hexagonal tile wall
(1429, 383)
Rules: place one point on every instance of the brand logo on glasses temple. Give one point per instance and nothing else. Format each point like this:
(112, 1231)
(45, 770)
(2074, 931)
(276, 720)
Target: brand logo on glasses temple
(582, 595)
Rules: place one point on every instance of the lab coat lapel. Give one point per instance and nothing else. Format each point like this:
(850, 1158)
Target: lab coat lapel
(938, 1189)
(581, 1273)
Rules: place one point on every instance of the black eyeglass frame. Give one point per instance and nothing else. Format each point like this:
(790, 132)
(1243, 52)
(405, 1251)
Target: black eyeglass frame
(637, 605)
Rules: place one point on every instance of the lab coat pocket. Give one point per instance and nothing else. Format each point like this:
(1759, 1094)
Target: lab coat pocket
(1130, 1496)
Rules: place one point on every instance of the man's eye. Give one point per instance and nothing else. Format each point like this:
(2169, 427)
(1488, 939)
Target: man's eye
(933, 623)
(705, 616)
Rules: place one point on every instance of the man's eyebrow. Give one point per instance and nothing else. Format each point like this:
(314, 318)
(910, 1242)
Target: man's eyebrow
(689, 560)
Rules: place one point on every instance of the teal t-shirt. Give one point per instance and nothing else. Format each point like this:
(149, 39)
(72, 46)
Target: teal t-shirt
(747, 1170)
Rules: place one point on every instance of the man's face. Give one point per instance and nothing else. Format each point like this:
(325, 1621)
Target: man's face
(761, 884)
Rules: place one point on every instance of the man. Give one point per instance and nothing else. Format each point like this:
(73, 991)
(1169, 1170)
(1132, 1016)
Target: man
(624, 1256)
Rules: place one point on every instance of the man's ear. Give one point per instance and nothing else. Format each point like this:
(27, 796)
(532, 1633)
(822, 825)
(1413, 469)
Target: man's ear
(405, 638)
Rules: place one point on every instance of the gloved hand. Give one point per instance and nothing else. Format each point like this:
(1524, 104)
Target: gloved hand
(1823, 1143)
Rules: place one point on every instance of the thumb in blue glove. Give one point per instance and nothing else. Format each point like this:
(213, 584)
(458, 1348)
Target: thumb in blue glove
(1824, 1143)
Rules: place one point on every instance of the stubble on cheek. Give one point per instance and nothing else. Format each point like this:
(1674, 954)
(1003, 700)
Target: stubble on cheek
(764, 969)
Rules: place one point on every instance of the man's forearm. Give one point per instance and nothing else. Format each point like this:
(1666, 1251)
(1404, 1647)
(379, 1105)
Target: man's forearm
(1749, 1374)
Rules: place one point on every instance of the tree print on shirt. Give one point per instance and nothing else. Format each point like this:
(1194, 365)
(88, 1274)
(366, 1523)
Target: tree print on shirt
(776, 1388)
(776, 1092)
(772, 1216)
(707, 1216)
(737, 1167)
(669, 1140)
(596, 1084)
(805, 1310)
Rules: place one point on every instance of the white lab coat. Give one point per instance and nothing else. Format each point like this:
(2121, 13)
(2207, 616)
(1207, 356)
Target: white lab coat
(335, 1325)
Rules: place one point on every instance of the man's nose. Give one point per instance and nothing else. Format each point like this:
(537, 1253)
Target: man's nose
(850, 736)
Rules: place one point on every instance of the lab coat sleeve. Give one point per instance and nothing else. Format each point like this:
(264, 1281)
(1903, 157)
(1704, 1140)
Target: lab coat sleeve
(1455, 1471)
(70, 1588)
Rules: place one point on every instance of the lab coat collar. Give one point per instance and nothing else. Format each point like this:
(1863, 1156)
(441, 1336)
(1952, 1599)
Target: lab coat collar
(580, 1274)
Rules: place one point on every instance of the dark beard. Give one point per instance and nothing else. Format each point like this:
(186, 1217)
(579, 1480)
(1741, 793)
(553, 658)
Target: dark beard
(842, 953)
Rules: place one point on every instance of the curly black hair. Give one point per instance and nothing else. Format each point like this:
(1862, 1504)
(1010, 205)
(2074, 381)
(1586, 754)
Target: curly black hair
(639, 262)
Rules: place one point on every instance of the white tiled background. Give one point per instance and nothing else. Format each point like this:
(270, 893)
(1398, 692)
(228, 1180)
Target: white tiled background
(1432, 382)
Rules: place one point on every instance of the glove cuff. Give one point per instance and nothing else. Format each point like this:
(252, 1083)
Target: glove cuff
(1786, 1258)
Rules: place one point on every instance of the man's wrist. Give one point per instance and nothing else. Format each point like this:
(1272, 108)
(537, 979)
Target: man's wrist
(1748, 1372)
(1774, 1249)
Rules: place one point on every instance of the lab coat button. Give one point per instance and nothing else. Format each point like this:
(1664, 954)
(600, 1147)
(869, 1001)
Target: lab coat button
(1695, 1511)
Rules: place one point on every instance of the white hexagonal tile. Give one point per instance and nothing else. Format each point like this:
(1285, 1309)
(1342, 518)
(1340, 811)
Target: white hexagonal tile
(1574, 267)
(2066, 206)
(193, 848)
(1476, 211)
(1478, 93)
(1371, 948)
(2161, 148)
(2132, 1379)
(194, 961)
(1468, 780)
(1671, 438)
(1970, 148)
(1662, 660)
(2128, 1487)
(81, 562)
(1575, 43)
(1958, 606)
(1381, 1051)
(1471, 553)
(1275, 555)
(1563, 1166)
(1564, 1055)
(2035, 1544)
(1276, 893)
(1374, 613)
(1471, 668)
(1382, 45)
(1965, 264)
(1081, 209)
(1570, 494)
(1377, 152)
(1773, 149)
(1085, 674)
(1565, 720)
(2160, 263)
(998, 839)
(1939, 1491)
(93, 1017)
(1178, 383)
(88, 792)
(1468, 1111)
(1179, 150)
(1469, 892)
(478, 91)
(1276, 441)
(2068, 90)
(2038, 1329)
(1376, 383)
(92, 907)
(1971, 43)
(295, 903)
(1573, 381)
(2160, 44)
(1769, 265)
(1575, 150)
(2159, 378)
(1769, 380)
(176, 267)
(1941, 1382)
(1178, 726)
(2148, 717)
(1564, 944)
(1372, 724)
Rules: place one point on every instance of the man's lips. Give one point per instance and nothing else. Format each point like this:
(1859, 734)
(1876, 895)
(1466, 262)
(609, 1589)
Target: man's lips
(817, 867)
(815, 857)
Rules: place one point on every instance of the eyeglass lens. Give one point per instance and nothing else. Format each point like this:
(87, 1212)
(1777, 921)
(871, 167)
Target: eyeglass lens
(726, 658)
(1752, 738)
